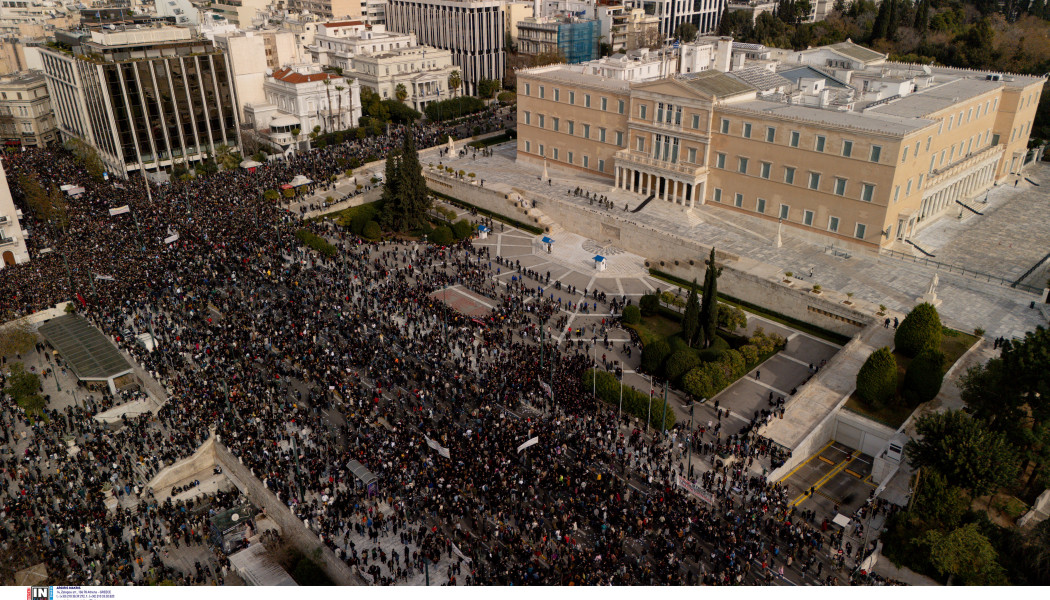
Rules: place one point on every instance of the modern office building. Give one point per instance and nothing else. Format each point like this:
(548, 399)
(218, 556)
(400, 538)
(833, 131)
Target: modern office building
(12, 239)
(705, 14)
(26, 118)
(145, 96)
(474, 31)
(836, 142)
(573, 38)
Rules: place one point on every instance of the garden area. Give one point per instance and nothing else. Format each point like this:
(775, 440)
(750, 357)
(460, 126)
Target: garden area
(893, 383)
(693, 344)
(977, 471)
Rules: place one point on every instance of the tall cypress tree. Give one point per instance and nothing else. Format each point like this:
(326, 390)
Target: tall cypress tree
(895, 12)
(709, 307)
(691, 319)
(922, 16)
(882, 21)
(391, 198)
(413, 193)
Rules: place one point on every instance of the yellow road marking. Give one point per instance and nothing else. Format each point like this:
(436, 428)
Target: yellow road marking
(857, 475)
(827, 460)
(820, 482)
(805, 462)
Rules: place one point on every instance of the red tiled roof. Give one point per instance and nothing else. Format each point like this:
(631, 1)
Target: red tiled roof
(290, 76)
(343, 23)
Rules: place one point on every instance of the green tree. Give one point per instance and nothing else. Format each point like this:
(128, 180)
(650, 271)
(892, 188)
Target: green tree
(922, 380)
(16, 338)
(401, 92)
(709, 307)
(920, 330)
(24, 388)
(442, 235)
(391, 197)
(548, 58)
(922, 16)
(691, 320)
(877, 378)
(487, 88)
(413, 195)
(462, 229)
(649, 304)
(686, 32)
(653, 356)
(631, 315)
(965, 552)
(964, 450)
(454, 81)
(680, 363)
(880, 28)
(372, 231)
(731, 318)
(938, 503)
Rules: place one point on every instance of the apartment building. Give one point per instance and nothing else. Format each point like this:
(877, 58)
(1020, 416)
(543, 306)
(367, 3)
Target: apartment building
(12, 239)
(143, 96)
(836, 142)
(251, 56)
(571, 37)
(474, 31)
(26, 118)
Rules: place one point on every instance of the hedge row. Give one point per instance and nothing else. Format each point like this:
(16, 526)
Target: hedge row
(709, 378)
(308, 238)
(488, 213)
(453, 108)
(634, 402)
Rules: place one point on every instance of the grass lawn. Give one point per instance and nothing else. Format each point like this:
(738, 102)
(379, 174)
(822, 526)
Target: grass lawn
(343, 217)
(656, 327)
(492, 141)
(953, 344)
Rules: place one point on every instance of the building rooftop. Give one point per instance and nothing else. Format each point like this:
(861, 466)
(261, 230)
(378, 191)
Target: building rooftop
(716, 83)
(930, 100)
(882, 124)
(291, 75)
(760, 78)
(575, 74)
(90, 354)
(864, 55)
(807, 72)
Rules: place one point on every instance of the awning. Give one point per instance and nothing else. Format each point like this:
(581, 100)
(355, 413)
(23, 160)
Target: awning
(285, 186)
(299, 180)
(599, 258)
(547, 240)
(249, 164)
(483, 228)
(284, 121)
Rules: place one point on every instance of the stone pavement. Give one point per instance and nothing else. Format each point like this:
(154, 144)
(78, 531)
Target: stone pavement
(967, 303)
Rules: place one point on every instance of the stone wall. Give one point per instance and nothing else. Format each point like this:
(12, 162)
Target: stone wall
(293, 530)
(202, 459)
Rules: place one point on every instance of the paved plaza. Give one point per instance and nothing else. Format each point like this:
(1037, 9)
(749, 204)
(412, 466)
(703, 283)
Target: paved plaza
(968, 303)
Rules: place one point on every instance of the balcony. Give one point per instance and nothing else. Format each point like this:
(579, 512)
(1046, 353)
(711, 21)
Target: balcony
(635, 159)
(6, 241)
(938, 176)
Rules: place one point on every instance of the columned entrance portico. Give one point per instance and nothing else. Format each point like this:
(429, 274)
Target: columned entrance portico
(681, 184)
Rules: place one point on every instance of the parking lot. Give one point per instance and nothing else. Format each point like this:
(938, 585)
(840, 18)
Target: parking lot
(836, 479)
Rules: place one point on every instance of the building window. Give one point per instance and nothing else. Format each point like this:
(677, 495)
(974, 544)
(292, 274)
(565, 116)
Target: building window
(819, 146)
(542, 90)
(554, 123)
(619, 106)
(896, 193)
(528, 89)
(742, 165)
(789, 175)
(725, 125)
(904, 155)
(572, 97)
(586, 100)
(554, 153)
(929, 140)
(761, 205)
(557, 95)
(868, 192)
(814, 181)
(720, 161)
(696, 121)
(572, 127)
(784, 211)
(692, 155)
(586, 131)
(640, 143)
(601, 166)
(907, 190)
(918, 186)
(718, 195)
(739, 202)
(601, 134)
(528, 146)
(861, 230)
(765, 168)
(876, 153)
(542, 153)
(847, 148)
(641, 111)
(541, 120)
(833, 224)
(794, 139)
(605, 103)
(586, 162)
(807, 218)
(840, 186)
(570, 157)
(771, 134)
(619, 139)
(528, 118)
(747, 130)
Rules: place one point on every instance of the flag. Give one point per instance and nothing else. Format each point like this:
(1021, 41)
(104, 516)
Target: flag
(119, 211)
(171, 239)
(443, 451)
(81, 299)
(529, 443)
(547, 389)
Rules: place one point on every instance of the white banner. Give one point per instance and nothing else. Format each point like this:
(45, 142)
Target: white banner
(459, 552)
(547, 388)
(695, 490)
(104, 277)
(529, 443)
(443, 451)
(119, 211)
(171, 239)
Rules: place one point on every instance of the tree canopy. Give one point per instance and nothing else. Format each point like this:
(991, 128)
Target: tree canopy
(964, 450)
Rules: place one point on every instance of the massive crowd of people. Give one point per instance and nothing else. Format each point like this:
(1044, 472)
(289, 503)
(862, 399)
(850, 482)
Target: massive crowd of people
(300, 364)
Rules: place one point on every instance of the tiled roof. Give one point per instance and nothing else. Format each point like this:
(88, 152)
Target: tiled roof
(343, 24)
(759, 78)
(291, 76)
